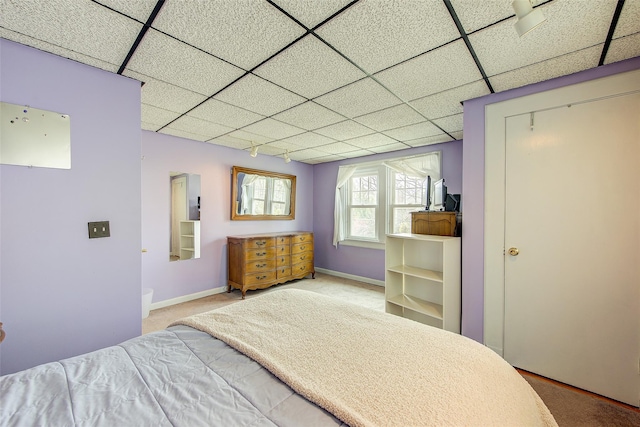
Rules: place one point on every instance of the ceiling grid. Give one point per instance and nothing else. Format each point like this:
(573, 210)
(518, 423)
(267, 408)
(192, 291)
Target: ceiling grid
(326, 80)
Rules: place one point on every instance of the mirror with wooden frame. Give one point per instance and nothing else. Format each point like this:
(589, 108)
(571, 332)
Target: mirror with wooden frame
(262, 195)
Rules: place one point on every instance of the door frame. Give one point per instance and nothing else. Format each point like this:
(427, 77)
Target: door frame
(495, 157)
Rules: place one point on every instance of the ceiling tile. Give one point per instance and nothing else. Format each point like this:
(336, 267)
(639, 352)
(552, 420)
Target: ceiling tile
(309, 140)
(444, 68)
(457, 135)
(545, 70)
(570, 26)
(139, 9)
(80, 26)
(270, 150)
(344, 130)
(171, 61)
(306, 154)
(629, 21)
(183, 134)
(283, 144)
(273, 129)
(309, 116)
(415, 131)
(149, 126)
(311, 12)
(378, 34)
(474, 14)
(258, 95)
(391, 118)
(158, 117)
(200, 127)
(362, 97)
(231, 141)
(243, 32)
(309, 68)
(623, 48)
(250, 137)
(396, 146)
(221, 112)
(325, 159)
(338, 148)
(164, 95)
(429, 140)
(450, 123)
(449, 101)
(370, 141)
(57, 50)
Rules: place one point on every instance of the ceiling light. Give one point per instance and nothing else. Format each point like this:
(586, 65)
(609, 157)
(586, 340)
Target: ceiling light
(254, 150)
(528, 18)
(287, 159)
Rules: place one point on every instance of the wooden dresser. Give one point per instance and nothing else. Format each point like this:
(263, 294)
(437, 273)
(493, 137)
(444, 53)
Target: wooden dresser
(257, 261)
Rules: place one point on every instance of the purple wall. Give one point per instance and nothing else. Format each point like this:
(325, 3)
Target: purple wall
(63, 294)
(357, 261)
(473, 187)
(163, 154)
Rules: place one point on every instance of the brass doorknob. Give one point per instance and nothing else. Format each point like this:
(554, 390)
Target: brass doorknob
(514, 251)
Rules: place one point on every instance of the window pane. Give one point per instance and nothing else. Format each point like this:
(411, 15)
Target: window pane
(402, 220)
(363, 222)
(364, 190)
(408, 191)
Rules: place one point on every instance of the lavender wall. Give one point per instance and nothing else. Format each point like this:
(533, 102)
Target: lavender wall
(473, 187)
(364, 262)
(163, 154)
(63, 294)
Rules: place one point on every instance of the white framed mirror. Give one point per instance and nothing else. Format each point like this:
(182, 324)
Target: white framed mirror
(184, 236)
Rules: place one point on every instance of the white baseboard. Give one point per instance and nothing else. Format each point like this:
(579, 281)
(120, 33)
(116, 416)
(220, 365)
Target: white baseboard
(185, 298)
(351, 276)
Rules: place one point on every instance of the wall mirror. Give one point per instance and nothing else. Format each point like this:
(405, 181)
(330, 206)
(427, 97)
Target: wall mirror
(185, 216)
(262, 195)
(33, 137)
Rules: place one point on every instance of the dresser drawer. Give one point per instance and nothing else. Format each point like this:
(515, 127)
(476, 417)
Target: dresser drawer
(259, 265)
(260, 277)
(261, 253)
(298, 248)
(302, 257)
(259, 243)
(283, 260)
(283, 250)
(283, 272)
(302, 269)
(283, 240)
(302, 238)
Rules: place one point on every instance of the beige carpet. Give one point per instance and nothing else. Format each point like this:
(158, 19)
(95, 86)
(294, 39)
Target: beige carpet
(570, 407)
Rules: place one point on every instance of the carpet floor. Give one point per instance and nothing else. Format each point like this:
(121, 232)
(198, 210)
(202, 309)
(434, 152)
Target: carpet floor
(571, 407)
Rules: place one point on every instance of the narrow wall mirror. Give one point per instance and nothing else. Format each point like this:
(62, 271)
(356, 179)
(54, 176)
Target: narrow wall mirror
(185, 216)
(262, 195)
(34, 138)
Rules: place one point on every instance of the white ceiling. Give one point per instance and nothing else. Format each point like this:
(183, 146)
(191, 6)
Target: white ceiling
(325, 80)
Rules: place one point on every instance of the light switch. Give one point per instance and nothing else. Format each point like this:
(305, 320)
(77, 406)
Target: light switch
(99, 229)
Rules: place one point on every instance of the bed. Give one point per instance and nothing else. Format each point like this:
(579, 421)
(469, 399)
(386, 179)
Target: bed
(285, 358)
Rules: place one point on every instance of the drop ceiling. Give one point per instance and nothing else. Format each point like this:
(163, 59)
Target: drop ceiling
(324, 80)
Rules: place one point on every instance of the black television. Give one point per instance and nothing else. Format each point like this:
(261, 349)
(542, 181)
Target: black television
(439, 195)
(427, 184)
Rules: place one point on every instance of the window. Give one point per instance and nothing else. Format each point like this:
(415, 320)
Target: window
(374, 199)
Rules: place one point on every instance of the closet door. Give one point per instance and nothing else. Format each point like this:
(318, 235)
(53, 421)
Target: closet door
(572, 222)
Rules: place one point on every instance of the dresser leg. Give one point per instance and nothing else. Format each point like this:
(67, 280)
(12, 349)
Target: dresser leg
(313, 275)
(243, 293)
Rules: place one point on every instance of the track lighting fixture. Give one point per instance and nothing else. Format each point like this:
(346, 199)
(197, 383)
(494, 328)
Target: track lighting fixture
(254, 150)
(528, 18)
(287, 159)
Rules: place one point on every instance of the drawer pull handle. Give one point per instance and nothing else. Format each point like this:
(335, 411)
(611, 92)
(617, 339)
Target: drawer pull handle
(261, 265)
(261, 243)
(302, 239)
(303, 268)
(302, 258)
(261, 253)
(261, 277)
(302, 248)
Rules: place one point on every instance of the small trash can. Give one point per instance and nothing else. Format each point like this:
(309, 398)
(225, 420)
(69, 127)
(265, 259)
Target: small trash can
(147, 296)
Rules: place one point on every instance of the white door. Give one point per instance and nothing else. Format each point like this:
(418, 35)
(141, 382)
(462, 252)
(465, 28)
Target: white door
(572, 210)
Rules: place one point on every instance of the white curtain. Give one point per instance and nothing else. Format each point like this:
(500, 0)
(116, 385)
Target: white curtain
(247, 199)
(417, 167)
(339, 220)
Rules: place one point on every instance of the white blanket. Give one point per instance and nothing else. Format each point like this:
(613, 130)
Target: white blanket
(370, 368)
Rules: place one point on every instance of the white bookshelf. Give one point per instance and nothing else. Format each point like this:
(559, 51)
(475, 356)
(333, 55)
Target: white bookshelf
(422, 279)
(189, 239)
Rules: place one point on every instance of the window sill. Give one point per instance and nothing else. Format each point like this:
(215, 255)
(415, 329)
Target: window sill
(363, 244)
